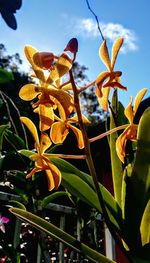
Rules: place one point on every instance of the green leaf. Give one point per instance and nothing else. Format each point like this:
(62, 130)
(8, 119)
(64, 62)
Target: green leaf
(116, 164)
(79, 188)
(60, 235)
(26, 153)
(145, 225)
(67, 168)
(3, 129)
(22, 194)
(16, 141)
(138, 185)
(51, 198)
(17, 204)
(5, 76)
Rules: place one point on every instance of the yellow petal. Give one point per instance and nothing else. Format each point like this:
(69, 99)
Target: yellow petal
(62, 112)
(115, 49)
(129, 111)
(53, 177)
(104, 55)
(121, 144)
(115, 84)
(62, 67)
(34, 157)
(46, 115)
(130, 133)
(138, 99)
(113, 76)
(78, 135)
(67, 86)
(59, 132)
(75, 119)
(30, 53)
(32, 128)
(102, 77)
(29, 92)
(64, 98)
(45, 142)
(103, 100)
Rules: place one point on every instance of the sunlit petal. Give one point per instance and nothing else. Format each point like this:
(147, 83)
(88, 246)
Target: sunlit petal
(63, 98)
(115, 49)
(45, 142)
(67, 86)
(78, 135)
(129, 111)
(34, 157)
(130, 133)
(62, 66)
(59, 132)
(121, 144)
(46, 115)
(62, 112)
(138, 99)
(30, 53)
(53, 177)
(113, 76)
(102, 77)
(75, 119)
(115, 84)
(104, 55)
(103, 100)
(29, 92)
(32, 128)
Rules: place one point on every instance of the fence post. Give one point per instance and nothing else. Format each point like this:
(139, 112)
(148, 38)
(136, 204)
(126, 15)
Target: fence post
(109, 244)
(61, 245)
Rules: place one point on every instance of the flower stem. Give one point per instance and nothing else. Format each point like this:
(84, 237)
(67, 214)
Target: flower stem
(87, 86)
(100, 136)
(66, 156)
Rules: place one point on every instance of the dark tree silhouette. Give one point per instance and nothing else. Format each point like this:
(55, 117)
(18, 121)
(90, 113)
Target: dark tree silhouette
(8, 9)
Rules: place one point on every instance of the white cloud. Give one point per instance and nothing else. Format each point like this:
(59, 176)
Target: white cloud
(88, 28)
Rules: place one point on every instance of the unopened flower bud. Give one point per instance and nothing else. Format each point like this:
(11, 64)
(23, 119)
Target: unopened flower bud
(44, 59)
(72, 46)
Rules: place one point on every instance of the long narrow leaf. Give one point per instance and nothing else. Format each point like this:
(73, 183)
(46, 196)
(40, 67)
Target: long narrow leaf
(60, 235)
(138, 184)
(115, 162)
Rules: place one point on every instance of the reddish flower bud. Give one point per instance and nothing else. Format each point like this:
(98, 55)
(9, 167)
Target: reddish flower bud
(72, 46)
(44, 59)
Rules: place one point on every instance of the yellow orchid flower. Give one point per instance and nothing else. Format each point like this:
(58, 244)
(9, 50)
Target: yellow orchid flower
(109, 78)
(42, 163)
(48, 100)
(130, 133)
(60, 129)
(47, 91)
(40, 60)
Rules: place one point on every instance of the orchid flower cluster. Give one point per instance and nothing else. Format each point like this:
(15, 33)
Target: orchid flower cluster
(57, 105)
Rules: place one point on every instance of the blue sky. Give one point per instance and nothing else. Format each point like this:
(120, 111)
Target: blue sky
(48, 25)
